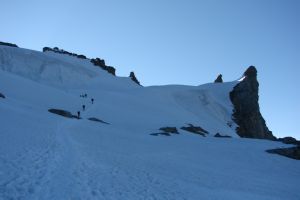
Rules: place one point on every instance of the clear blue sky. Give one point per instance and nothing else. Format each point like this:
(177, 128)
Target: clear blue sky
(176, 42)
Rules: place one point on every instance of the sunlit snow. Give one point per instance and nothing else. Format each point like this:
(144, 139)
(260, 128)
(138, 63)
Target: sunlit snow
(47, 156)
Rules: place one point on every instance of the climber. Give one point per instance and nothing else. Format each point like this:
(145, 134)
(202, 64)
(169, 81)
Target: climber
(78, 114)
(92, 100)
(83, 107)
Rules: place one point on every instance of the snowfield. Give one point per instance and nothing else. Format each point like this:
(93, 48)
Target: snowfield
(48, 156)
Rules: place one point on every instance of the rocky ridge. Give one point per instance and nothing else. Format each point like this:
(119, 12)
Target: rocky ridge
(246, 112)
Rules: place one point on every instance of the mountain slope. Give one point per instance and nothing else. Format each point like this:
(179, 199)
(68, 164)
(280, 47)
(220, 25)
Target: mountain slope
(207, 105)
(47, 156)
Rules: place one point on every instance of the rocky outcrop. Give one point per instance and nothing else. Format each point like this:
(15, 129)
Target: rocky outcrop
(101, 63)
(292, 152)
(63, 113)
(289, 140)
(219, 79)
(218, 135)
(246, 112)
(168, 129)
(195, 129)
(61, 51)
(8, 44)
(2, 95)
(133, 78)
(97, 120)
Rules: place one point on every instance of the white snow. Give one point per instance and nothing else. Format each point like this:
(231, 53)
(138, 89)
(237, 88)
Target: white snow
(46, 156)
(241, 79)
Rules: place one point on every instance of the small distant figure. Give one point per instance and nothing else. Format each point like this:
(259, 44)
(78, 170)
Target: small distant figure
(92, 100)
(83, 107)
(78, 114)
(85, 95)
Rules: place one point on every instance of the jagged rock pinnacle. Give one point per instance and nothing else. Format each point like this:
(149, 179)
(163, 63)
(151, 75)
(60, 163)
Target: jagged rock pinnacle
(133, 78)
(219, 79)
(251, 72)
(246, 113)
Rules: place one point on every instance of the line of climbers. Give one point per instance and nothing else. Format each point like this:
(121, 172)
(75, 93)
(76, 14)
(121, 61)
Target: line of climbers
(83, 106)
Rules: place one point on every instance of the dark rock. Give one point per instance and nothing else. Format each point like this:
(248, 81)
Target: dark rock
(133, 78)
(8, 44)
(61, 51)
(222, 136)
(47, 49)
(292, 152)
(246, 113)
(63, 113)
(169, 130)
(81, 56)
(2, 96)
(166, 131)
(195, 129)
(219, 79)
(101, 63)
(97, 120)
(251, 72)
(110, 70)
(98, 62)
(289, 140)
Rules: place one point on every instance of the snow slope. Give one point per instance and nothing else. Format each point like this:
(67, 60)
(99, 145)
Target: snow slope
(46, 156)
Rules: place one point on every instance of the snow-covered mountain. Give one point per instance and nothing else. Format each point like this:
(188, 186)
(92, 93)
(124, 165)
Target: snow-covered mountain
(131, 142)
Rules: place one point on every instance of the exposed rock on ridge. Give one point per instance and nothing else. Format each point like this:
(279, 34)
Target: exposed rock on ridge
(246, 113)
(101, 63)
(133, 78)
(291, 152)
(289, 140)
(219, 79)
(8, 44)
(61, 51)
(96, 61)
(2, 95)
